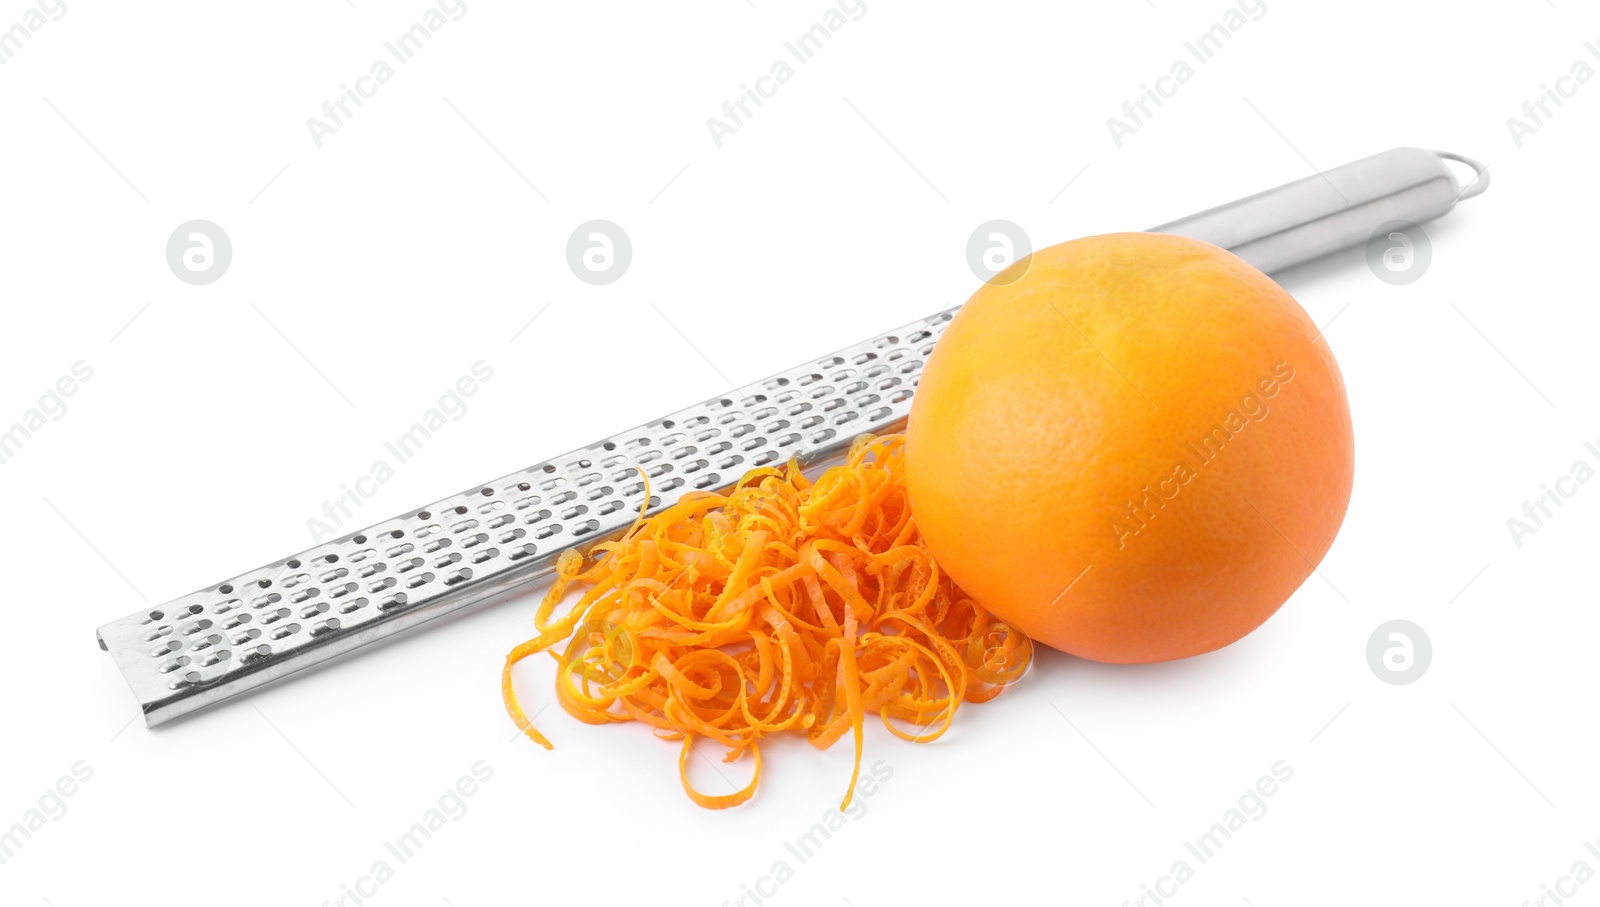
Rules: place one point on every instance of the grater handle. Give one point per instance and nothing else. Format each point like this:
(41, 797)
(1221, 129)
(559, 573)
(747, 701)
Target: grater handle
(1339, 208)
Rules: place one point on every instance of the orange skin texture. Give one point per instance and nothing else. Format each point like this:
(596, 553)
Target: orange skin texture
(1052, 403)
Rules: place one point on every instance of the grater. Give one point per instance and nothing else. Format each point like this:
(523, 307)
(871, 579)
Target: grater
(299, 611)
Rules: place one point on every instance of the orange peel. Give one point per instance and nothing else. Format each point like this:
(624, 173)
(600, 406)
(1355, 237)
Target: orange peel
(783, 606)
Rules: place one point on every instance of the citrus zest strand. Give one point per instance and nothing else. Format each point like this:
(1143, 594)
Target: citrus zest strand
(783, 606)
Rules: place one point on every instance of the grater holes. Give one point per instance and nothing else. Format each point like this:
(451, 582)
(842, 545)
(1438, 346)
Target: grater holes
(214, 658)
(275, 616)
(153, 616)
(182, 661)
(198, 626)
(225, 589)
(595, 491)
(327, 626)
(284, 632)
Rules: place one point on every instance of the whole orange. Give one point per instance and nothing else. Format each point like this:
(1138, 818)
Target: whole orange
(1134, 452)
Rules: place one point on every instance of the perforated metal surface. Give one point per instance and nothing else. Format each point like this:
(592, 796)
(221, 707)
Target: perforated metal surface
(288, 615)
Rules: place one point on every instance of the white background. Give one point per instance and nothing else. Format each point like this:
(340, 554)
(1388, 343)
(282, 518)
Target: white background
(407, 248)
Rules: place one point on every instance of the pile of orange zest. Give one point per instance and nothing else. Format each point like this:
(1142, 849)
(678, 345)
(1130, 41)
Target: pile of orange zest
(781, 606)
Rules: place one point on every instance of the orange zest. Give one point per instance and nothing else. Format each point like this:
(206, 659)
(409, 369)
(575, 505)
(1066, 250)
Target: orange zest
(782, 606)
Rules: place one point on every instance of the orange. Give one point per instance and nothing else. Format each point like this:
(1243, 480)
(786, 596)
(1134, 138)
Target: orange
(1135, 451)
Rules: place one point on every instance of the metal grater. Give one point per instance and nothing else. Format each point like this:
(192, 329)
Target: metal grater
(296, 612)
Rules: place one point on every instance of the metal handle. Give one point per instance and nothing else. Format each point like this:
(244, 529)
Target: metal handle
(291, 614)
(1310, 218)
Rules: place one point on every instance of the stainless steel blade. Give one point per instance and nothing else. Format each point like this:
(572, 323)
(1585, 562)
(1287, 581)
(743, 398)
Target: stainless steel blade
(296, 612)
